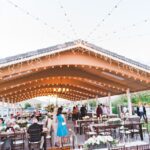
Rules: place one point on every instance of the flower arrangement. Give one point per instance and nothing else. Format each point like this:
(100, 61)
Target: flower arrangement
(16, 127)
(2, 128)
(86, 117)
(114, 121)
(22, 123)
(98, 142)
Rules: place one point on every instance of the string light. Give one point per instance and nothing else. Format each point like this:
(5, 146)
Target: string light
(123, 29)
(68, 19)
(37, 19)
(104, 19)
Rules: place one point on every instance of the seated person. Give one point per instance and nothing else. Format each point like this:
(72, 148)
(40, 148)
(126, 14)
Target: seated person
(35, 133)
(2, 122)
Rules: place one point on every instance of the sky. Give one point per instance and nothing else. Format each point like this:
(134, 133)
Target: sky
(121, 26)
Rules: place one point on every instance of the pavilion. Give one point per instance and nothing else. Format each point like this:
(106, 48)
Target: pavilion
(74, 70)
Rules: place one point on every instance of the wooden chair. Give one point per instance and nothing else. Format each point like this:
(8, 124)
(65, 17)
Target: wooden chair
(69, 141)
(144, 147)
(34, 143)
(1, 142)
(18, 141)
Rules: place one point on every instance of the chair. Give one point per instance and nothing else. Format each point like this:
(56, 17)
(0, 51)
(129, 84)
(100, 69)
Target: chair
(144, 147)
(18, 141)
(70, 140)
(49, 138)
(124, 132)
(1, 143)
(132, 148)
(34, 139)
(90, 132)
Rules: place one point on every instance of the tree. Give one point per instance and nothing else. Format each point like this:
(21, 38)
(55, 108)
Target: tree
(92, 103)
(27, 105)
(38, 106)
(50, 108)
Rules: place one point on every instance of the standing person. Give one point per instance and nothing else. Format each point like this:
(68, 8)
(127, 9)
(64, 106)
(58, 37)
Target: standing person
(144, 110)
(99, 111)
(62, 130)
(77, 112)
(74, 114)
(104, 110)
(54, 124)
(83, 111)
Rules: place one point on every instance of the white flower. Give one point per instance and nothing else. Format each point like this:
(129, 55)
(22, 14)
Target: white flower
(109, 139)
(16, 126)
(98, 140)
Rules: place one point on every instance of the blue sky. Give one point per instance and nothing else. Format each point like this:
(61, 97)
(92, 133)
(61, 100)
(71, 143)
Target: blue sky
(125, 31)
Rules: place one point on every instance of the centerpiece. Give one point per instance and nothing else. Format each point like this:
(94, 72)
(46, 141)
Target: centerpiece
(99, 142)
(22, 123)
(114, 121)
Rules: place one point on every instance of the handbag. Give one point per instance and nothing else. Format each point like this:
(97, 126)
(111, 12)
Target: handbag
(63, 123)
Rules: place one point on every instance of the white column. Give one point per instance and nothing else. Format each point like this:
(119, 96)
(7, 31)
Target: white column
(8, 107)
(110, 105)
(15, 107)
(96, 100)
(3, 107)
(129, 101)
(56, 98)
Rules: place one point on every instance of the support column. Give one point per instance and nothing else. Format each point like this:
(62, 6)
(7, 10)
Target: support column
(129, 101)
(96, 100)
(110, 105)
(3, 100)
(8, 106)
(56, 101)
(13, 107)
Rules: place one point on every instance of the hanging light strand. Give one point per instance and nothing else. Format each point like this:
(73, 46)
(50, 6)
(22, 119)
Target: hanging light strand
(36, 18)
(99, 24)
(123, 29)
(68, 19)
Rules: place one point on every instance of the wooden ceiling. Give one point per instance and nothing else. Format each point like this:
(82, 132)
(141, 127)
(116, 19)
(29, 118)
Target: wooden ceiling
(76, 74)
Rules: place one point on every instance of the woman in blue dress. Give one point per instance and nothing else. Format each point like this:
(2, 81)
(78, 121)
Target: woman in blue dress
(62, 130)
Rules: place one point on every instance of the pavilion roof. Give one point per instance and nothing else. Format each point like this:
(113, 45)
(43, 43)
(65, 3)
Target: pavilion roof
(42, 51)
(74, 70)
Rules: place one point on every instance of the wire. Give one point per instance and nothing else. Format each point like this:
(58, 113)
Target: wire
(68, 19)
(104, 19)
(38, 19)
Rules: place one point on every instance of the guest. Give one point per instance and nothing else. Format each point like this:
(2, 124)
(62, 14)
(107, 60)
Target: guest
(104, 110)
(2, 123)
(36, 129)
(83, 111)
(141, 111)
(74, 113)
(54, 124)
(99, 111)
(62, 130)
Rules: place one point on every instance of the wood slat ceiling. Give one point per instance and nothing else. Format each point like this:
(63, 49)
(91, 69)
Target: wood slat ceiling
(75, 74)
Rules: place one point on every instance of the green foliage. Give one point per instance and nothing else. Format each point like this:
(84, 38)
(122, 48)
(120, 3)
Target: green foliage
(38, 106)
(92, 103)
(143, 97)
(122, 100)
(115, 110)
(27, 105)
(50, 108)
